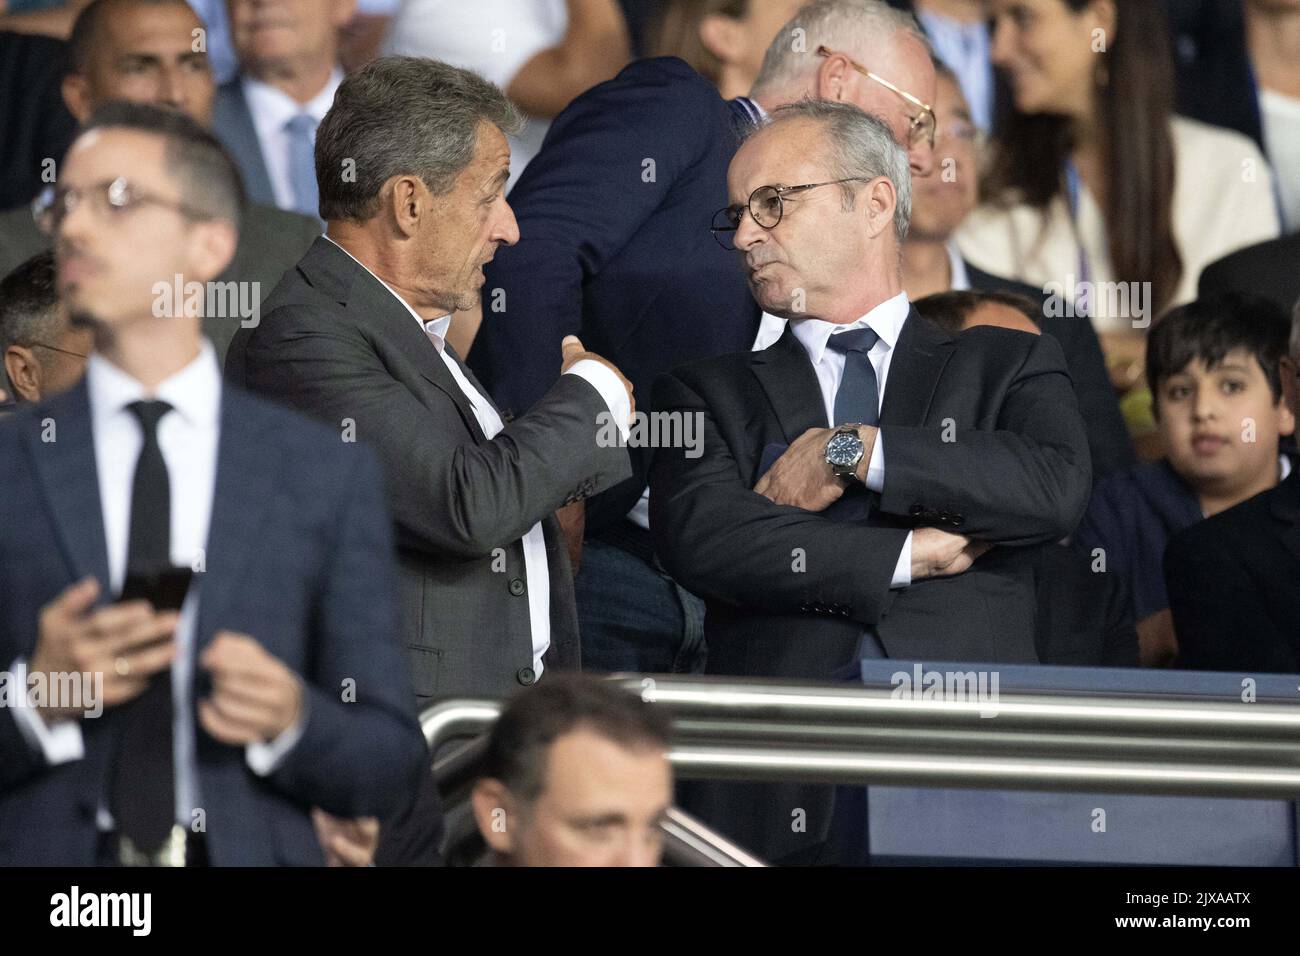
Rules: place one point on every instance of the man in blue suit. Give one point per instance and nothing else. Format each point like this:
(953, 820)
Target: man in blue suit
(202, 725)
(614, 216)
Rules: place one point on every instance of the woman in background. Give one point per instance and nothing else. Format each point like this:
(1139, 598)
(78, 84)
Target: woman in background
(724, 40)
(1093, 179)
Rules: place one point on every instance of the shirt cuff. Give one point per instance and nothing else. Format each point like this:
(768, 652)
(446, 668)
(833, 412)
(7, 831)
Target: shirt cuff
(903, 569)
(264, 758)
(61, 743)
(611, 390)
(876, 468)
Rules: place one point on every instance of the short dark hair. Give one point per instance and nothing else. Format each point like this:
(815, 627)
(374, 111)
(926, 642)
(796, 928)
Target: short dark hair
(950, 310)
(402, 115)
(85, 35)
(208, 177)
(29, 301)
(1209, 328)
(535, 718)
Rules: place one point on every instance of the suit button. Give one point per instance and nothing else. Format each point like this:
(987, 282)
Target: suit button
(516, 586)
(958, 520)
(525, 676)
(916, 511)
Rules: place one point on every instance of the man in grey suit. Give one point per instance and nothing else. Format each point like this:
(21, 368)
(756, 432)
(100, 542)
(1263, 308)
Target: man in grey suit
(411, 163)
(143, 51)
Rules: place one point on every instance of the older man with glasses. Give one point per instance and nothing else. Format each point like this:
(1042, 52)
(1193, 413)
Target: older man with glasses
(613, 216)
(869, 485)
(43, 353)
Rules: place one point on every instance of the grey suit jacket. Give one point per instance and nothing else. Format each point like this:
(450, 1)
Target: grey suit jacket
(336, 343)
(232, 122)
(271, 241)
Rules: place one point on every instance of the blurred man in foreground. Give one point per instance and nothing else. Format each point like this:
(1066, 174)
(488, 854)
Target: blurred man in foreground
(209, 646)
(576, 774)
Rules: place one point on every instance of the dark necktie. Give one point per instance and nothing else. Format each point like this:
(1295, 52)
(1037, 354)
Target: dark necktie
(858, 399)
(142, 797)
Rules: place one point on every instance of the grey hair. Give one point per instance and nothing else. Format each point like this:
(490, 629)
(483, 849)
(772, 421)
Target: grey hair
(849, 26)
(858, 146)
(402, 115)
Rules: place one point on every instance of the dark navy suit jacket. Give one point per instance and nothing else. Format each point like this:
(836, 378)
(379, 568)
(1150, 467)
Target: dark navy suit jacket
(614, 247)
(299, 556)
(1131, 517)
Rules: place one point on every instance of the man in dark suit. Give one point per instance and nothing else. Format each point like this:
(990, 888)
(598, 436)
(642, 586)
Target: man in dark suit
(288, 73)
(356, 335)
(202, 724)
(37, 127)
(1270, 269)
(869, 536)
(1232, 577)
(143, 51)
(614, 218)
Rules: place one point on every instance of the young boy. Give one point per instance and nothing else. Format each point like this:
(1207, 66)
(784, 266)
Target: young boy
(1213, 370)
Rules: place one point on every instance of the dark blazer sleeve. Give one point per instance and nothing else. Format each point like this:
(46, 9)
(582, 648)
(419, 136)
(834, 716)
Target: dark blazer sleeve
(1108, 439)
(448, 494)
(609, 162)
(1025, 482)
(721, 540)
(1219, 627)
(357, 757)
(19, 762)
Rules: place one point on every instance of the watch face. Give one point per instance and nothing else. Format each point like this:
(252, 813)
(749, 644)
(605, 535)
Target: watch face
(844, 449)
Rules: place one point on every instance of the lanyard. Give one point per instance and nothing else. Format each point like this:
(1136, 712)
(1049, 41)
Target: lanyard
(1073, 186)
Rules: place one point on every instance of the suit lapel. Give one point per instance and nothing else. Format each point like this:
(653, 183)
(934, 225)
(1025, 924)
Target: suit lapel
(336, 273)
(234, 121)
(787, 376)
(920, 354)
(248, 462)
(69, 480)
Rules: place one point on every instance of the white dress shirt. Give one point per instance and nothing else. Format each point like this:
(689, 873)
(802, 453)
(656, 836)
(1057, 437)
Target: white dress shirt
(886, 320)
(188, 438)
(536, 568)
(272, 108)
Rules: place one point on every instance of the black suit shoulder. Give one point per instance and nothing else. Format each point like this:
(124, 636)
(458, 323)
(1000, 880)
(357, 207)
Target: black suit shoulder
(1267, 268)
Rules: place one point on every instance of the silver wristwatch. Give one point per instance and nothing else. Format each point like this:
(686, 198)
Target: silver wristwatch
(844, 451)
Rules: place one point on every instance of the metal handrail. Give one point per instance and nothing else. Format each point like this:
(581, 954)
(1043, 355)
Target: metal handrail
(832, 734)
(772, 730)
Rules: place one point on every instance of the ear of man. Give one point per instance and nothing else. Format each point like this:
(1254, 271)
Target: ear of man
(881, 202)
(24, 371)
(495, 815)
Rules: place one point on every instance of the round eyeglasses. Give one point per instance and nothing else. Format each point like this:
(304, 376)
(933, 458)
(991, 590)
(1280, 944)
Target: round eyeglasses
(766, 204)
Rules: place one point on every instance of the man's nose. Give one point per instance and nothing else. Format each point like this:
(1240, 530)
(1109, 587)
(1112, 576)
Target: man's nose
(636, 851)
(749, 232)
(920, 158)
(77, 221)
(1000, 42)
(1205, 405)
(169, 92)
(506, 228)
